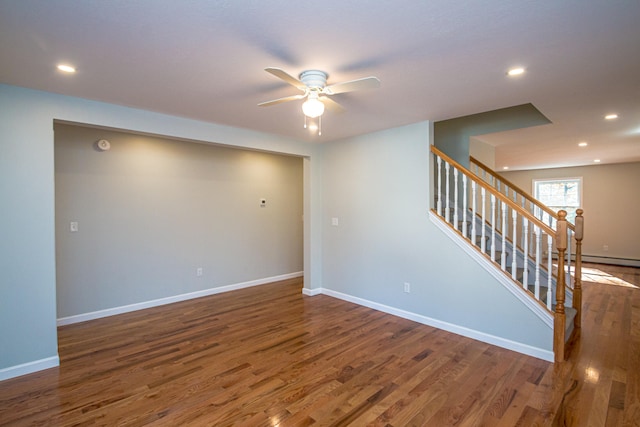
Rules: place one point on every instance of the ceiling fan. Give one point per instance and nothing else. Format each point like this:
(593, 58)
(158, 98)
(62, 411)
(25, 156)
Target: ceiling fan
(313, 84)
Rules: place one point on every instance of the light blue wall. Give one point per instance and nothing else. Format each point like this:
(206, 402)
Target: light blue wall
(27, 246)
(377, 186)
(27, 263)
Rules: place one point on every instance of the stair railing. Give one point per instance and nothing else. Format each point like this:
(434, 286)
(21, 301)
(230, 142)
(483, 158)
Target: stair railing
(488, 217)
(573, 262)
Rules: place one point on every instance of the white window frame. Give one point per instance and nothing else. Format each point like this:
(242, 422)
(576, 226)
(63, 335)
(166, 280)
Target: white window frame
(571, 213)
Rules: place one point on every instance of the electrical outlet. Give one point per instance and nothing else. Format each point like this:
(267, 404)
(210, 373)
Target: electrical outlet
(407, 287)
(73, 226)
(199, 271)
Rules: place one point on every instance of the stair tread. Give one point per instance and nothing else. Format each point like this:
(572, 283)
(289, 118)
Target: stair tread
(543, 292)
(519, 272)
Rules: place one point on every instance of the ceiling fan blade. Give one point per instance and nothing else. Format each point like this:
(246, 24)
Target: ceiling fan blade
(350, 86)
(283, 75)
(281, 100)
(331, 105)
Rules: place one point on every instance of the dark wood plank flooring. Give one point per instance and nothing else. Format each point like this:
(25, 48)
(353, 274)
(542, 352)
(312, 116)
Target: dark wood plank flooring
(269, 356)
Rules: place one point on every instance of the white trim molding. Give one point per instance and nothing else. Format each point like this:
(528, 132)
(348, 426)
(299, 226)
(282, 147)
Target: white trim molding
(526, 349)
(168, 300)
(497, 274)
(311, 292)
(628, 262)
(29, 368)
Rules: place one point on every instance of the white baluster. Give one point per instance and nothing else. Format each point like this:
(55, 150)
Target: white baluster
(455, 197)
(503, 256)
(465, 223)
(522, 204)
(550, 270)
(525, 252)
(532, 208)
(439, 203)
(473, 213)
(493, 227)
(483, 229)
(531, 240)
(506, 193)
(514, 256)
(499, 219)
(538, 255)
(568, 263)
(447, 215)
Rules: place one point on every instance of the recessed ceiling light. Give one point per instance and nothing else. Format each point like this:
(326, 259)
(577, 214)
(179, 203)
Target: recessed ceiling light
(515, 72)
(582, 144)
(505, 167)
(596, 161)
(66, 68)
(611, 116)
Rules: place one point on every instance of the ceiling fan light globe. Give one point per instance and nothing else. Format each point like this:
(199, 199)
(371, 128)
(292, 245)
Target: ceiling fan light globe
(313, 108)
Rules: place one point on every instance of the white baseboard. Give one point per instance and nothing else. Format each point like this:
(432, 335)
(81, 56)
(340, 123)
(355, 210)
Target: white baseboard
(29, 368)
(449, 327)
(491, 268)
(311, 292)
(168, 300)
(611, 260)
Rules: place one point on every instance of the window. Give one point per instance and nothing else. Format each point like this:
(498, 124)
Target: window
(561, 193)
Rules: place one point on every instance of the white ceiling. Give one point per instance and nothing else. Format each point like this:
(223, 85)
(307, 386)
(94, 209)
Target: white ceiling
(436, 59)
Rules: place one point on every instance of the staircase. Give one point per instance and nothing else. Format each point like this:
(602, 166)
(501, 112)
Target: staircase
(526, 243)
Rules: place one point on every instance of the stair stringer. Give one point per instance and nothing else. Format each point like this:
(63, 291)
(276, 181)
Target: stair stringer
(570, 312)
(512, 286)
(520, 260)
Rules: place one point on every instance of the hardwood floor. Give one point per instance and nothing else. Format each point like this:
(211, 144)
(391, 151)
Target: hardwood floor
(269, 356)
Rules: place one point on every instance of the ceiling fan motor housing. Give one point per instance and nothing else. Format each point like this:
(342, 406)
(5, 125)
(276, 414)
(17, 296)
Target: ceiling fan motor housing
(314, 79)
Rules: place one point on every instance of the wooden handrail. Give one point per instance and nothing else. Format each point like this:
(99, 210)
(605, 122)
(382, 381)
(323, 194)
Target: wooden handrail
(519, 190)
(560, 236)
(498, 194)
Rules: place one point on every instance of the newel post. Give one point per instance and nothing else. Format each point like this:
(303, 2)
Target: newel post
(559, 319)
(577, 291)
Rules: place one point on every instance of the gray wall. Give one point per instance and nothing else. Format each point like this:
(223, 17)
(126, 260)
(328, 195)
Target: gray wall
(610, 200)
(377, 186)
(452, 136)
(152, 210)
(28, 335)
(483, 152)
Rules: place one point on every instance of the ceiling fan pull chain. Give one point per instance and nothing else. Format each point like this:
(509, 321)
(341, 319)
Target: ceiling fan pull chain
(319, 125)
